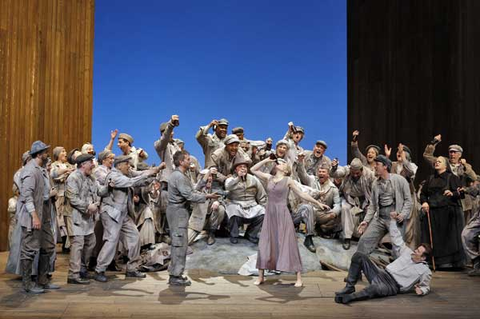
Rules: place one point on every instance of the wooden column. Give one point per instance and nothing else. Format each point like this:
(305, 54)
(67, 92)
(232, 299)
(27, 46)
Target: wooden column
(46, 70)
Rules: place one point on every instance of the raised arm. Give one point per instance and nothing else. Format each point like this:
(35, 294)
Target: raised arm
(430, 150)
(113, 135)
(304, 196)
(255, 169)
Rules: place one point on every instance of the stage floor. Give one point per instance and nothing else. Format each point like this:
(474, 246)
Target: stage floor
(454, 295)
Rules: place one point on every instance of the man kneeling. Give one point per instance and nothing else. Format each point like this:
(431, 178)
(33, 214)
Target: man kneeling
(408, 272)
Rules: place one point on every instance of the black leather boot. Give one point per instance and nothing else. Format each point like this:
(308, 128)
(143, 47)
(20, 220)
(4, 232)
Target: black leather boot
(309, 243)
(476, 268)
(356, 296)
(28, 285)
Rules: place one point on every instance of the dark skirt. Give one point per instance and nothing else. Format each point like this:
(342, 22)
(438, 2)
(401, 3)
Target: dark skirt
(447, 224)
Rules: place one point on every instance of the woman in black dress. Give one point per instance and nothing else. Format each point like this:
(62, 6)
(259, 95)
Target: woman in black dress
(440, 197)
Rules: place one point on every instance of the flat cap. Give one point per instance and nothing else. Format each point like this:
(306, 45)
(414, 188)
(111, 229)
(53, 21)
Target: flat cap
(282, 142)
(38, 146)
(84, 158)
(356, 164)
(323, 143)
(384, 160)
(455, 148)
(237, 130)
(300, 129)
(230, 139)
(223, 122)
(121, 159)
(126, 137)
(103, 155)
(375, 147)
(241, 160)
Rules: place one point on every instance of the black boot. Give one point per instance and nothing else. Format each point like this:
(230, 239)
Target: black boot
(65, 250)
(43, 268)
(346, 243)
(100, 276)
(135, 274)
(28, 285)
(356, 296)
(309, 243)
(476, 268)
(352, 278)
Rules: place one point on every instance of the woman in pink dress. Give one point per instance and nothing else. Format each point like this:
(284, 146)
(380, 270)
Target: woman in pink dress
(278, 248)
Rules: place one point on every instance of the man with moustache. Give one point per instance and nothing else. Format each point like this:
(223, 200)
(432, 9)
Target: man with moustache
(81, 194)
(37, 235)
(390, 193)
(180, 195)
(356, 192)
(117, 213)
(211, 142)
(224, 158)
(317, 157)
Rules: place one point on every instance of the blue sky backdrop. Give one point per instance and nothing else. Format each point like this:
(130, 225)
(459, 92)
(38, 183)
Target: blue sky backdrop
(260, 64)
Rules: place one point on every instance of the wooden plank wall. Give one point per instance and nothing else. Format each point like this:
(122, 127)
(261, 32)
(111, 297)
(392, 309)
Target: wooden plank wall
(413, 72)
(46, 71)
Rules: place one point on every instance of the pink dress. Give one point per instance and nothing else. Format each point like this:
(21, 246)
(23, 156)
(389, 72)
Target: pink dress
(277, 248)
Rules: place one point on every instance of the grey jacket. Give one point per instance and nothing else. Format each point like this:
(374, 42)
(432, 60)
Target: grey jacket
(165, 150)
(33, 191)
(209, 143)
(365, 181)
(246, 193)
(181, 191)
(328, 195)
(118, 201)
(80, 192)
(403, 198)
(404, 270)
(312, 163)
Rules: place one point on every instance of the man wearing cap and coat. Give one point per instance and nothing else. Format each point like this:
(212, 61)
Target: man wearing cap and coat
(316, 157)
(328, 217)
(210, 143)
(81, 193)
(166, 146)
(356, 192)
(117, 213)
(246, 200)
(125, 144)
(224, 158)
(180, 195)
(37, 234)
(390, 193)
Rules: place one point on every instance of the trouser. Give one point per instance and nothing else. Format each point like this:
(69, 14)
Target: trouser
(35, 241)
(177, 217)
(254, 227)
(350, 221)
(80, 252)
(125, 231)
(327, 225)
(470, 238)
(377, 228)
(305, 214)
(382, 284)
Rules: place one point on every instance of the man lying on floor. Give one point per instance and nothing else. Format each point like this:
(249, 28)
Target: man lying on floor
(408, 272)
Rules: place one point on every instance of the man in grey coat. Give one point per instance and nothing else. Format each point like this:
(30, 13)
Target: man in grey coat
(117, 213)
(326, 218)
(37, 235)
(210, 143)
(356, 193)
(166, 146)
(316, 157)
(390, 193)
(181, 194)
(81, 194)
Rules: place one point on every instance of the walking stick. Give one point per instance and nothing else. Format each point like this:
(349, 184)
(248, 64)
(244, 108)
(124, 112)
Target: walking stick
(431, 239)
